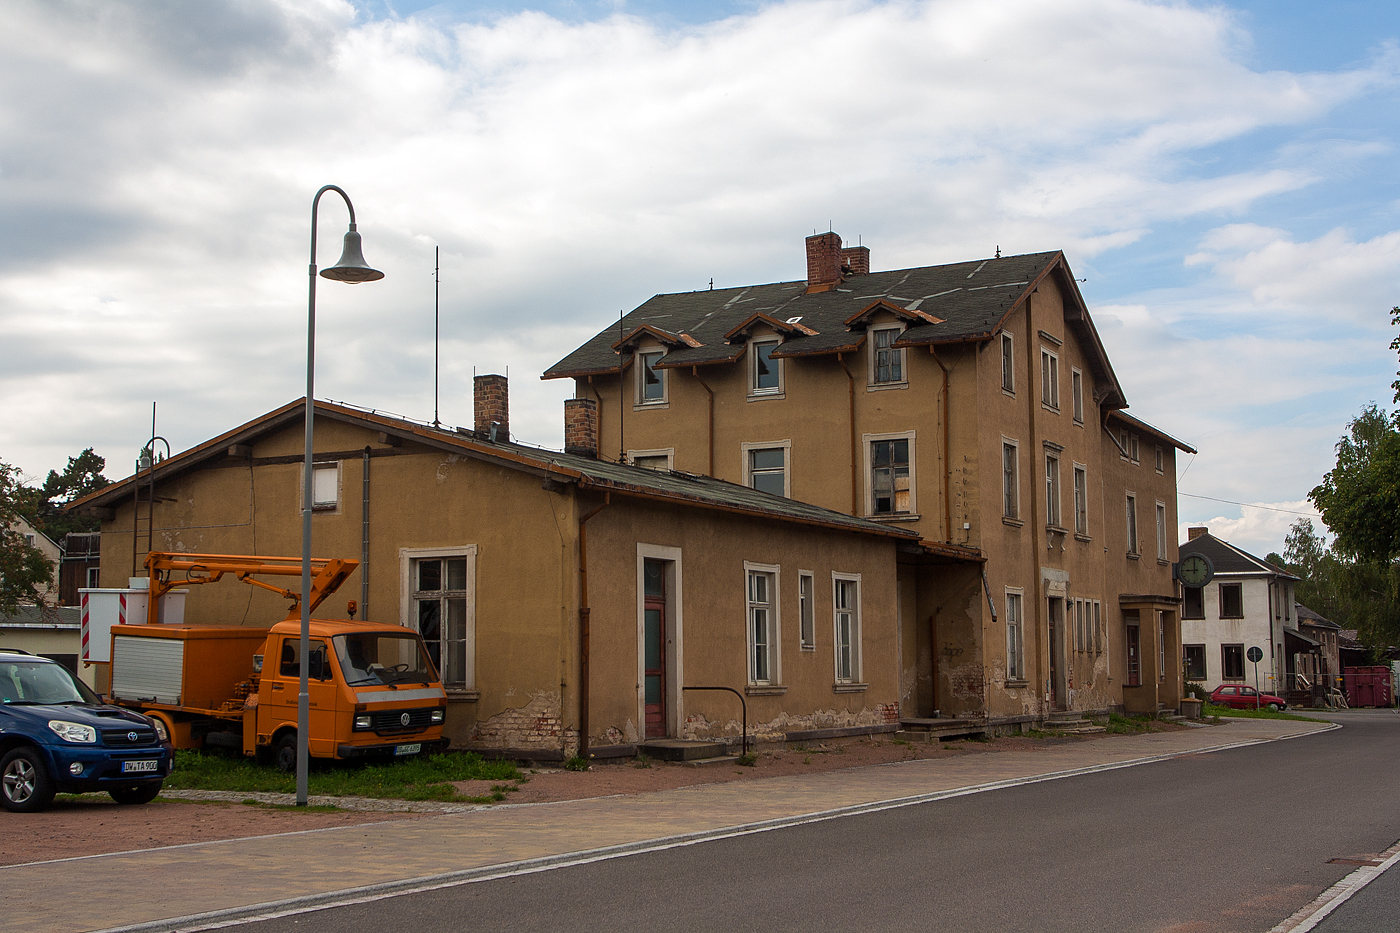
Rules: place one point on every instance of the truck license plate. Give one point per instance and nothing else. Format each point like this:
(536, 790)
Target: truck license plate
(149, 764)
(413, 749)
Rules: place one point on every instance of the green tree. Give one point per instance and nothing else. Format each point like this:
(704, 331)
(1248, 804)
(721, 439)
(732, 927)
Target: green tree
(1360, 504)
(1395, 345)
(25, 573)
(44, 506)
(1360, 497)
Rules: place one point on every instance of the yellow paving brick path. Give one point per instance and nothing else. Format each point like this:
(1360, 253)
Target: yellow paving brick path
(314, 867)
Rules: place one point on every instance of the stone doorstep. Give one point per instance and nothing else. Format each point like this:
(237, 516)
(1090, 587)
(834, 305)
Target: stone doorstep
(682, 749)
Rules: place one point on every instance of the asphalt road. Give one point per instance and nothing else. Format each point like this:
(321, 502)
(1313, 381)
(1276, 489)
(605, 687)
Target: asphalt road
(1225, 841)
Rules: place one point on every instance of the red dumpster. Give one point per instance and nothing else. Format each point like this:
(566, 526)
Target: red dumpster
(1368, 686)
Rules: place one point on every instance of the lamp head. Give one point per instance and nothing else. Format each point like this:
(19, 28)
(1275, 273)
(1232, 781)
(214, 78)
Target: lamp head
(351, 266)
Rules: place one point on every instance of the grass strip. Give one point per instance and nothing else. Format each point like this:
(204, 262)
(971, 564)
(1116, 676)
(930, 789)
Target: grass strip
(423, 777)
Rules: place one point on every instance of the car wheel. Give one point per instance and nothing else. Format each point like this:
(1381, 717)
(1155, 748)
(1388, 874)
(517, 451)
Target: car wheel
(25, 786)
(136, 793)
(286, 755)
(1273, 707)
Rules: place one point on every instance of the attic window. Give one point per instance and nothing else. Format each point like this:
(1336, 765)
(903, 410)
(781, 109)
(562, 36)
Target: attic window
(325, 486)
(794, 320)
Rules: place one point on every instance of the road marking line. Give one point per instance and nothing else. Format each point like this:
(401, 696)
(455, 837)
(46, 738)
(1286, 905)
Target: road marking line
(349, 897)
(1314, 913)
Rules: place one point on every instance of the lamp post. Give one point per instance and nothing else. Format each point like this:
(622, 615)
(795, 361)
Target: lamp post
(351, 268)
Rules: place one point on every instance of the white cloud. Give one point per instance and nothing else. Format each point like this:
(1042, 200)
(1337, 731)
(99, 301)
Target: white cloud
(158, 163)
(1260, 528)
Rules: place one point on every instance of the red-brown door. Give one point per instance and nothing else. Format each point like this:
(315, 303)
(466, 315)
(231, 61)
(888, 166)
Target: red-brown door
(654, 647)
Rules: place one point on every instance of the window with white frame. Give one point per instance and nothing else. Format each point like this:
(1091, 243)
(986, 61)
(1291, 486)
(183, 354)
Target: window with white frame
(766, 466)
(1049, 379)
(439, 587)
(1015, 645)
(1123, 445)
(891, 473)
(1008, 364)
(1133, 448)
(651, 380)
(1081, 499)
(1010, 483)
(765, 373)
(1076, 382)
(886, 360)
(94, 578)
(660, 460)
(325, 486)
(1161, 531)
(762, 587)
(1052, 487)
(1132, 524)
(846, 600)
(806, 623)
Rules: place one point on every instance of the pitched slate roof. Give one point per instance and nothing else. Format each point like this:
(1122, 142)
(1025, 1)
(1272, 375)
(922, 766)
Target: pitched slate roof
(673, 486)
(1145, 428)
(1229, 559)
(1307, 617)
(955, 303)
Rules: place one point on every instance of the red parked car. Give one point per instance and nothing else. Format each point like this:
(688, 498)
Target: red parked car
(1239, 696)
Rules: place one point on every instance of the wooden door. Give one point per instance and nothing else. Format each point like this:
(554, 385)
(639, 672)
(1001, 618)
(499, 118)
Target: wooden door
(654, 648)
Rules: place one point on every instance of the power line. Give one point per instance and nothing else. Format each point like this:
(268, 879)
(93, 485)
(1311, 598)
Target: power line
(1251, 505)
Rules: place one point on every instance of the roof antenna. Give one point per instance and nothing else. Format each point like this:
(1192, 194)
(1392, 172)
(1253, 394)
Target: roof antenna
(998, 255)
(712, 283)
(621, 395)
(437, 282)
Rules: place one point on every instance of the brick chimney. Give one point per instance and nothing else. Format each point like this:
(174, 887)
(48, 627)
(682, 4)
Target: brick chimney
(823, 262)
(492, 406)
(856, 259)
(1193, 533)
(581, 427)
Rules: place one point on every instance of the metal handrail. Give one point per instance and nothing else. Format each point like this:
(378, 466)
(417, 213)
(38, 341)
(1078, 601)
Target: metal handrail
(743, 706)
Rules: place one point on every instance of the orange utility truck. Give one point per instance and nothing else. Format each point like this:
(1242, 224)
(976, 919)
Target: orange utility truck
(373, 689)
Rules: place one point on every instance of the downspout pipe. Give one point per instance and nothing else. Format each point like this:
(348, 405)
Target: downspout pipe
(855, 485)
(583, 623)
(364, 536)
(695, 371)
(1031, 406)
(947, 459)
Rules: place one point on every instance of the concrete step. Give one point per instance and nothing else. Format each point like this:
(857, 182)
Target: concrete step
(683, 749)
(931, 730)
(1082, 728)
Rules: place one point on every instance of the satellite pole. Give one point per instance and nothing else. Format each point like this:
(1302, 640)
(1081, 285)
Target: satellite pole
(437, 282)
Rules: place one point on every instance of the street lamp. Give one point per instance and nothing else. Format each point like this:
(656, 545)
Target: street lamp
(350, 268)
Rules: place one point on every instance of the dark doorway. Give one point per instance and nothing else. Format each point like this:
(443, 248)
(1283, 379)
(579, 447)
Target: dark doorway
(654, 647)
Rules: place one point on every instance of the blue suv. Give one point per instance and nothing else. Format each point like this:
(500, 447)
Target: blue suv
(56, 735)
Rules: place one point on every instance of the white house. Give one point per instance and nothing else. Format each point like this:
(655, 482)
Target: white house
(1248, 604)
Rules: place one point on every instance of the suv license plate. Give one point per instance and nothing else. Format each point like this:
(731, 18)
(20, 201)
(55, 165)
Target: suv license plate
(149, 764)
(413, 749)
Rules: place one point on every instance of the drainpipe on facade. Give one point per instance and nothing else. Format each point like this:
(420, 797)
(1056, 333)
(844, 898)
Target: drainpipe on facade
(948, 463)
(855, 501)
(1040, 641)
(364, 538)
(695, 371)
(583, 623)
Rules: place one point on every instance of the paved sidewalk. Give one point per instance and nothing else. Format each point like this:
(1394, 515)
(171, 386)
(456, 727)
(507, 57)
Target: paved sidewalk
(241, 877)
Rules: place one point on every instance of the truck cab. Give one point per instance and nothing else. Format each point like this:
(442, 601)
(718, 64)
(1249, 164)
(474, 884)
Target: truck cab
(372, 691)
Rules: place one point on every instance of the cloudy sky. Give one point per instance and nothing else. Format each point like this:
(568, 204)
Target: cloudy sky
(1222, 176)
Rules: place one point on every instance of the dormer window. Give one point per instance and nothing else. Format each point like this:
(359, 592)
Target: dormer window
(651, 381)
(765, 373)
(887, 360)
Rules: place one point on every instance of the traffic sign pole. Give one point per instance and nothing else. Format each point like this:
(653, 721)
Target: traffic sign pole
(1256, 654)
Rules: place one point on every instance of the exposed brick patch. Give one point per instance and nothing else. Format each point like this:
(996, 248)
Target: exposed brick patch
(537, 724)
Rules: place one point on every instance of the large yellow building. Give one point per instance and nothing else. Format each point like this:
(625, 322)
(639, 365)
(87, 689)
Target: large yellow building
(971, 403)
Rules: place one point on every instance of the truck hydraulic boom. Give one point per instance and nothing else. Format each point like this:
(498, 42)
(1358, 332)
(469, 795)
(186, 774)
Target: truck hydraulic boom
(327, 575)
